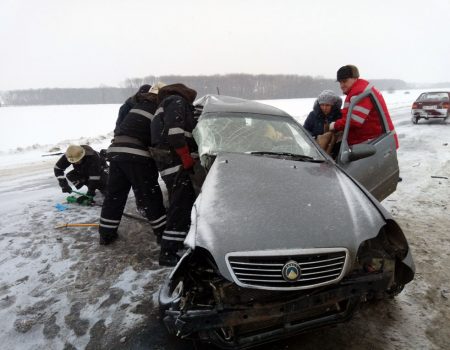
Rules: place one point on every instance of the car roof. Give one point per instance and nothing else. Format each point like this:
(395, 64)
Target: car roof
(435, 92)
(221, 103)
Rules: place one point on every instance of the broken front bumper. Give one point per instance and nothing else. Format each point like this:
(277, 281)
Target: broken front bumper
(245, 326)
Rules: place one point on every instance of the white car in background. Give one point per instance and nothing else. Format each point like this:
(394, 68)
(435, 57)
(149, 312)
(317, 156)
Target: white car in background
(431, 105)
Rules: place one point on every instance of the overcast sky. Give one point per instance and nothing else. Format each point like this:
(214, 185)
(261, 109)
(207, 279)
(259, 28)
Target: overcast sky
(87, 43)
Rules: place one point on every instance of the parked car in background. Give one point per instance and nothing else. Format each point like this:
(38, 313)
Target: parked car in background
(283, 238)
(431, 105)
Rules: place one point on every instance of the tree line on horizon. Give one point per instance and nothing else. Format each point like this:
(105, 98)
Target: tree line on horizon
(255, 87)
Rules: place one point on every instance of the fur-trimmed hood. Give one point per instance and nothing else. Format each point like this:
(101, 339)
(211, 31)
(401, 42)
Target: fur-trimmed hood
(177, 89)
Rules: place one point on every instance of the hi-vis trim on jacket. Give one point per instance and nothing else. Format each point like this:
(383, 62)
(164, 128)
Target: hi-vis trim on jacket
(175, 131)
(169, 171)
(159, 110)
(61, 177)
(357, 119)
(361, 109)
(179, 236)
(94, 177)
(143, 113)
(135, 151)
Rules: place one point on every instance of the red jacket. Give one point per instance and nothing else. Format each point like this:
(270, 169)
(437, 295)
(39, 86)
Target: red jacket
(365, 120)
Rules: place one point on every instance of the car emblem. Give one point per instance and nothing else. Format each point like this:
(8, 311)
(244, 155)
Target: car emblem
(291, 271)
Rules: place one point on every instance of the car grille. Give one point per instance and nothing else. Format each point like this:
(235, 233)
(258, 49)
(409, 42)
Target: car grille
(263, 270)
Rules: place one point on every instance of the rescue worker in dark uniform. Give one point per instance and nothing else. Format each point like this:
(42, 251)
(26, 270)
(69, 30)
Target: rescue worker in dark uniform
(130, 103)
(172, 147)
(89, 169)
(131, 166)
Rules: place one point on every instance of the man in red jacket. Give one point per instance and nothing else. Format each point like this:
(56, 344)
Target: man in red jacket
(365, 123)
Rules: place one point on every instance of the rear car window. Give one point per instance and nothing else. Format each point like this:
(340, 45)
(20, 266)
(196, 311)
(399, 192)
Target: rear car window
(433, 96)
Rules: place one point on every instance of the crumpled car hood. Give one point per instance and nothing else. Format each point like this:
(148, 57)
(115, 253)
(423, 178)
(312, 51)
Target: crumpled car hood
(253, 203)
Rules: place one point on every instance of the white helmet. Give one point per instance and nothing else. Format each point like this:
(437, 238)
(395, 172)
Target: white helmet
(75, 153)
(155, 87)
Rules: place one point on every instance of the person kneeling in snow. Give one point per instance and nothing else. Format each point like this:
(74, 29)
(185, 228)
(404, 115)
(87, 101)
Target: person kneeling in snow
(89, 169)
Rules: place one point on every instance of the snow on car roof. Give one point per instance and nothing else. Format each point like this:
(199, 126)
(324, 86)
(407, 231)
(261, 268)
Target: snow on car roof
(220, 103)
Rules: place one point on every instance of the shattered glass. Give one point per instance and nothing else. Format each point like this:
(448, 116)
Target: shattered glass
(246, 133)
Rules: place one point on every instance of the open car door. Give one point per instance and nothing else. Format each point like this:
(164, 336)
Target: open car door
(374, 164)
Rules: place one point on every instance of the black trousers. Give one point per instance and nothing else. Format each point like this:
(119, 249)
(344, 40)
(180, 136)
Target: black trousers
(143, 179)
(181, 199)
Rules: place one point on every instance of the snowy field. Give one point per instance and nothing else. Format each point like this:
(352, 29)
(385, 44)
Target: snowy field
(60, 290)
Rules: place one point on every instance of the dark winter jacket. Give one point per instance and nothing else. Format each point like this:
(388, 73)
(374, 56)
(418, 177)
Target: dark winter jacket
(132, 137)
(315, 121)
(173, 124)
(91, 167)
(125, 108)
(174, 119)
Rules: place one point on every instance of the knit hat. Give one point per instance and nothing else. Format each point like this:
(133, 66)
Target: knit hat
(348, 71)
(144, 88)
(328, 97)
(156, 86)
(75, 153)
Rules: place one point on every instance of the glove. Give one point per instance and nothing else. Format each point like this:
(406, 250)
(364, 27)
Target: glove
(66, 189)
(332, 127)
(85, 200)
(185, 156)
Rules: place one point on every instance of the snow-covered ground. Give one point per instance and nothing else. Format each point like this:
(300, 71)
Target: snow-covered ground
(60, 290)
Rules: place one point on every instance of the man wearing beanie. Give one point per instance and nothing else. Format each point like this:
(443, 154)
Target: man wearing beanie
(365, 121)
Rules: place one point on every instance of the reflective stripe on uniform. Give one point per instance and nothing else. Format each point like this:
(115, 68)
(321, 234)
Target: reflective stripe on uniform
(56, 167)
(362, 110)
(143, 113)
(94, 177)
(169, 171)
(109, 226)
(175, 131)
(158, 225)
(346, 104)
(159, 110)
(173, 238)
(61, 177)
(187, 134)
(128, 150)
(174, 235)
(158, 220)
(357, 119)
(109, 220)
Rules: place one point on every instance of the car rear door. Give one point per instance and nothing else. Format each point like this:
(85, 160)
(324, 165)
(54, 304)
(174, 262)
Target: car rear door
(379, 172)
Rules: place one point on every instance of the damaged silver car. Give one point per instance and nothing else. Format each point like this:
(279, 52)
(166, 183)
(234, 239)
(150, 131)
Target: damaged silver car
(284, 239)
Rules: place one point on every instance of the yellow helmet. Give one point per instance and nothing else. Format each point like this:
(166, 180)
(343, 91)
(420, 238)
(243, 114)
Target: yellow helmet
(75, 153)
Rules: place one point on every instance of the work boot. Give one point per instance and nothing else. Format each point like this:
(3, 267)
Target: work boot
(106, 240)
(168, 258)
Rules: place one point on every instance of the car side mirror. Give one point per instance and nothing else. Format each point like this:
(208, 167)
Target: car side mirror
(360, 151)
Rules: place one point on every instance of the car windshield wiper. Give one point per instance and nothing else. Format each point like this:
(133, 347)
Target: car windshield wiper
(300, 157)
